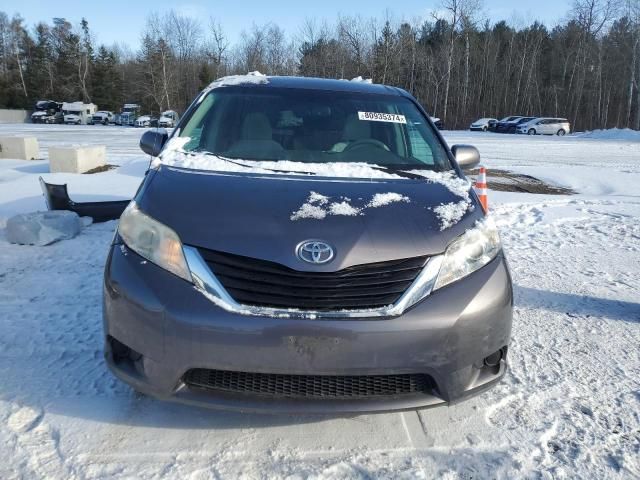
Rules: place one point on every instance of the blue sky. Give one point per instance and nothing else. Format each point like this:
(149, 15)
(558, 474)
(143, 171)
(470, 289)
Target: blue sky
(122, 21)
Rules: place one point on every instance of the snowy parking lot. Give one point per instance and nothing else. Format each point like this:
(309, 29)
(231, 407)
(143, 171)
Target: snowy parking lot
(569, 406)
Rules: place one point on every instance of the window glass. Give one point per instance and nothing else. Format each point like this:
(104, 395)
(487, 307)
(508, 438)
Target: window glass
(267, 123)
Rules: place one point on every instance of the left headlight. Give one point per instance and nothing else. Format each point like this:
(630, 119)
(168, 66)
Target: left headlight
(469, 252)
(153, 241)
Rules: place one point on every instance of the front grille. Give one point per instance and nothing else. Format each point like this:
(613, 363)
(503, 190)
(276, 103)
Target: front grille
(261, 283)
(309, 386)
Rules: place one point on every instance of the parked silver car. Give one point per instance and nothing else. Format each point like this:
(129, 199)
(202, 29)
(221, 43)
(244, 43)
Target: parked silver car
(545, 126)
(482, 124)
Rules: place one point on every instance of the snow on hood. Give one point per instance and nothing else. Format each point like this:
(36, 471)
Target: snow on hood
(448, 213)
(452, 212)
(251, 214)
(318, 206)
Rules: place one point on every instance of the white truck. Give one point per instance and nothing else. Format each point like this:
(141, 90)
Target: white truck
(128, 114)
(78, 113)
(102, 117)
(168, 119)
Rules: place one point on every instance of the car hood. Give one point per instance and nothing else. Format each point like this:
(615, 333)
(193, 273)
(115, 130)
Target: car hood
(254, 215)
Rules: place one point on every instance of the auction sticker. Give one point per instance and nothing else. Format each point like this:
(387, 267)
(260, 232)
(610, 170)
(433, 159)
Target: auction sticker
(382, 117)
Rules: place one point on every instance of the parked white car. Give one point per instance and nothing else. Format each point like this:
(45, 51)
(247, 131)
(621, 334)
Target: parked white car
(545, 126)
(104, 117)
(143, 121)
(482, 124)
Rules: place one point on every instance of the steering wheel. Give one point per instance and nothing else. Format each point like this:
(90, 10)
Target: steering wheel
(364, 142)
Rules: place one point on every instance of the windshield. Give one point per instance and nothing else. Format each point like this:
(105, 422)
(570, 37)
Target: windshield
(312, 126)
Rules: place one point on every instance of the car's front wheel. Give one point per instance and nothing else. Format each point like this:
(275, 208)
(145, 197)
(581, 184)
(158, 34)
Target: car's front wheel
(532, 131)
(484, 129)
(561, 132)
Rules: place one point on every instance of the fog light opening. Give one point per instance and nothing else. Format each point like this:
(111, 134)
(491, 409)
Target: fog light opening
(121, 352)
(494, 359)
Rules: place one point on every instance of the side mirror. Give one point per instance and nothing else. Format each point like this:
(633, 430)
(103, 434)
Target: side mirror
(153, 140)
(467, 156)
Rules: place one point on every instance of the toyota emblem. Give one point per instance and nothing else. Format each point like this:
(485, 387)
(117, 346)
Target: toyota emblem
(315, 251)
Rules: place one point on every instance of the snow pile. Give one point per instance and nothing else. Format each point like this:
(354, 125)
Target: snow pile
(361, 80)
(343, 208)
(255, 78)
(318, 206)
(315, 197)
(455, 184)
(382, 199)
(450, 213)
(175, 156)
(43, 228)
(308, 210)
(611, 134)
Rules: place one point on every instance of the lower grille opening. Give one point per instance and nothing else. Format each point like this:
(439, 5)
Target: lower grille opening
(309, 386)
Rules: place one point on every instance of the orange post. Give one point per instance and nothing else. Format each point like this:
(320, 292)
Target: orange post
(481, 189)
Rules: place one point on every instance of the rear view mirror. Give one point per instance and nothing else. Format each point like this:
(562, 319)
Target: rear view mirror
(467, 156)
(153, 140)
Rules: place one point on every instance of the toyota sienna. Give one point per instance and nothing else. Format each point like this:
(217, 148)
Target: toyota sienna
(306, 245)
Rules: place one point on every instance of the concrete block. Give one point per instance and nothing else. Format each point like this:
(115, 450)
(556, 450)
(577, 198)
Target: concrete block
(21, 148)
(76, 159)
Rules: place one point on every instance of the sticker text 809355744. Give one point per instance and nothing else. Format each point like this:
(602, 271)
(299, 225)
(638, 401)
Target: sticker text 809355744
(382, 117)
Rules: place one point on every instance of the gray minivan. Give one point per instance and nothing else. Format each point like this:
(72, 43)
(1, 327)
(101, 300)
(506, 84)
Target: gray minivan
(546, 126)
(306, 245)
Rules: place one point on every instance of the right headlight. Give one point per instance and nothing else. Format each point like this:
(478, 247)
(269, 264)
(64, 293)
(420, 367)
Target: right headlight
(153, 241)
(469, 252)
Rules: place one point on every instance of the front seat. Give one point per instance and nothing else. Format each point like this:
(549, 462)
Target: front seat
(354, 129)
(256, 140)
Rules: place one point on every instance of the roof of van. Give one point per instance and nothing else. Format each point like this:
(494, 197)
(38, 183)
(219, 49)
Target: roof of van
(310, 83)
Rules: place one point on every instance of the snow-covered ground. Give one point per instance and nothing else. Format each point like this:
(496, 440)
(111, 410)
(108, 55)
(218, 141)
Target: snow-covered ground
(568, 408)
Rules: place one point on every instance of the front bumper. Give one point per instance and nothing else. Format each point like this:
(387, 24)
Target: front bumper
(173, 328)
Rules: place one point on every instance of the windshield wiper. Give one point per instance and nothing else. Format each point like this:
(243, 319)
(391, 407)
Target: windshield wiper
(398, 171)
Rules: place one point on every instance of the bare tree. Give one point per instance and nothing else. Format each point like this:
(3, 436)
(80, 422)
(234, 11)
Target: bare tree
(457, 13)
(218, 46)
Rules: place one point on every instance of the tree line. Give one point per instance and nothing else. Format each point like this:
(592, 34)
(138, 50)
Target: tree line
(457, 64)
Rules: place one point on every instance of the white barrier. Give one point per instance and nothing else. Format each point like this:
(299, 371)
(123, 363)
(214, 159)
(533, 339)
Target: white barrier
(14, 116)
(20, 148)
(76, 159)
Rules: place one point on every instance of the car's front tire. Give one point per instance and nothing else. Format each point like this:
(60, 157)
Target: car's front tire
(484, 129)
(561, 132)
(532, 131)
